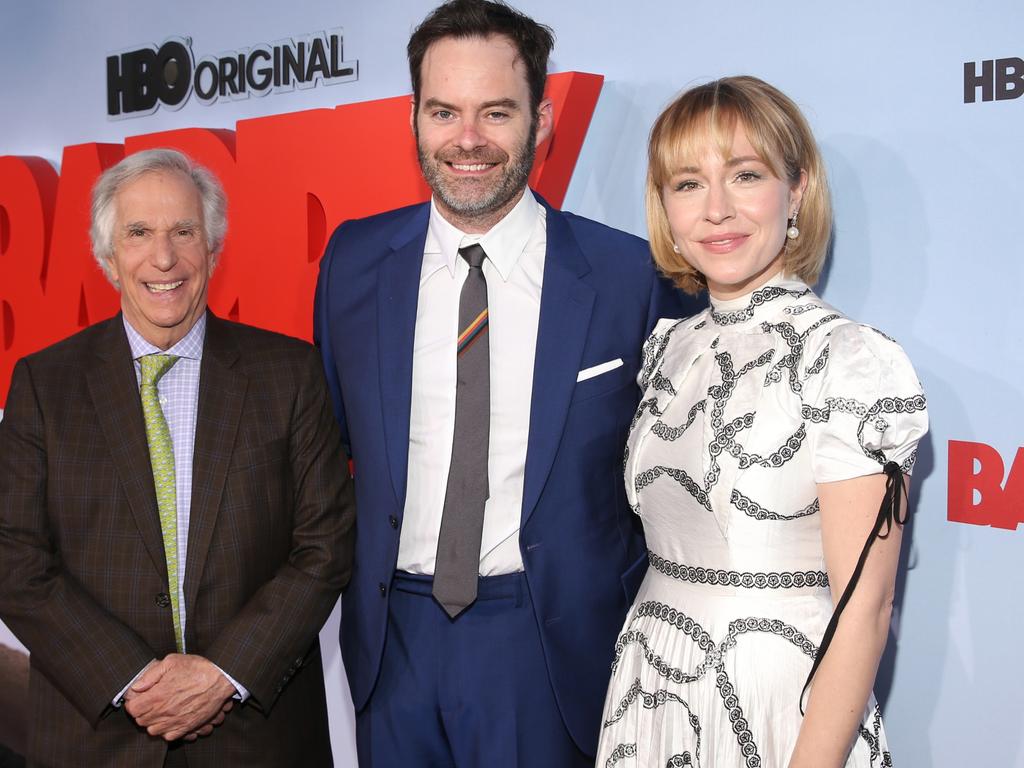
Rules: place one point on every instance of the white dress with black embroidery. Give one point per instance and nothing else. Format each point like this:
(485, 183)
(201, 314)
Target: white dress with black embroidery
(747, 407)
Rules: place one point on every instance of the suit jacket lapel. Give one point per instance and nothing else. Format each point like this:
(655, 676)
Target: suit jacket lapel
(221, 396)
(397, 299)
(114, 389)
(565, 308)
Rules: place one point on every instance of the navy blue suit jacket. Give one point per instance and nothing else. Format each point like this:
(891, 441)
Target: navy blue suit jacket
(582, 548)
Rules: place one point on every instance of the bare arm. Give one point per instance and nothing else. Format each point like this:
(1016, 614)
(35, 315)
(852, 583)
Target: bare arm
(843, 682)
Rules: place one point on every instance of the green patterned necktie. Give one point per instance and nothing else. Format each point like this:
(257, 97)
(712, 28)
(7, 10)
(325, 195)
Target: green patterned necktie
(161, 457)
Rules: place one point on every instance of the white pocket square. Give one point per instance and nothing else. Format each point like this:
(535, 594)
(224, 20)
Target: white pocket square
(597, 370)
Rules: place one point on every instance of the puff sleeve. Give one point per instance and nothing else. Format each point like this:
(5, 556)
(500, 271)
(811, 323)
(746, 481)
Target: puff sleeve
(862, 404)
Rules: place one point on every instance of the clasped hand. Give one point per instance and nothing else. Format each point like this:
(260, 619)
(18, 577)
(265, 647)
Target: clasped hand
(180, 696)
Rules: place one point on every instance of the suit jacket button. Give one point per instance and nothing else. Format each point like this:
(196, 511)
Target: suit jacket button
(163, 600)
(383, 589)
(394, 521)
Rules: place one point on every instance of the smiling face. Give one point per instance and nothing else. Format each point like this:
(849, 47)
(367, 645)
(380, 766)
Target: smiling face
(161, 263)
(728, 215)
(475, 131)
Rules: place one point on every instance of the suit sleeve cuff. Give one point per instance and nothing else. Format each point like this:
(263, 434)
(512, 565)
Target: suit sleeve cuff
(118, 700)
(241, 692)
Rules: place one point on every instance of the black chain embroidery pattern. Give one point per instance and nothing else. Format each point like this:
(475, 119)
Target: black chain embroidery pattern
(653, 352)
(762, 296)
(783, 365)
(668, 434)
(790, 362)
(718, 577)
(751, 508)
(651, 701)
(662, 384)
(819, 363)
(725, 434)
(874, 740)
(681, 760)
(619, 753)
(799, 309)
(776, 458)
(889, 405)
(648, 476)
(662, 667)
(817, 415)
(714, 660)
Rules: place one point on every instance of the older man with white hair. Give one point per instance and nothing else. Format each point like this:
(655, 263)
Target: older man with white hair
(175, 510)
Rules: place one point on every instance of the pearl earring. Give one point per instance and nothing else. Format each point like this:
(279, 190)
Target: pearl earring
(675, 247)
(793, 233)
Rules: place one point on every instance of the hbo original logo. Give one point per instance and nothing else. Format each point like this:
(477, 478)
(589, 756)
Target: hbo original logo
(138, 81)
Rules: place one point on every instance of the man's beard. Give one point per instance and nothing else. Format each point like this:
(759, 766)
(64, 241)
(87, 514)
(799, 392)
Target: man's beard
(470, 197)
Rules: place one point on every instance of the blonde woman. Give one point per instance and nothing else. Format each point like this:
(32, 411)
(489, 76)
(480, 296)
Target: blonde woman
(768, 461)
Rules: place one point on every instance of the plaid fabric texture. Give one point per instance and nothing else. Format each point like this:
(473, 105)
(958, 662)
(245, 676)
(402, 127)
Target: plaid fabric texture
(84, 579)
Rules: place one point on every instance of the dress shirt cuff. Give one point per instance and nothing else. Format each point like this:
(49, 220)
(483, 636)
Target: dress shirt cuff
(118, 700)
(242, 693)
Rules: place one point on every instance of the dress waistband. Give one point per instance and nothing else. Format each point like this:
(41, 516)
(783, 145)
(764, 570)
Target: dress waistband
(719, 577)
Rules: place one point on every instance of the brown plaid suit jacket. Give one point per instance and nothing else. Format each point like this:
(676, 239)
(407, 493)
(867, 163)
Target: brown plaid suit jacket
(83, 580)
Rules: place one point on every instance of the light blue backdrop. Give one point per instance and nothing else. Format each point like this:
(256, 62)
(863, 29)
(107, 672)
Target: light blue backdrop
(927, 191)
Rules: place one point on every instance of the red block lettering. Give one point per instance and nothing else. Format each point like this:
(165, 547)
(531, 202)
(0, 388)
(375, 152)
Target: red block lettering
(77, 291)
(290, 180)
(1013, 496)
(28, 189)
(997, 506)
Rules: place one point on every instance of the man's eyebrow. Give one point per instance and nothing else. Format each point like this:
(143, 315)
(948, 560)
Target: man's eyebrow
(506, 103)
(180, 224)
(433, 103)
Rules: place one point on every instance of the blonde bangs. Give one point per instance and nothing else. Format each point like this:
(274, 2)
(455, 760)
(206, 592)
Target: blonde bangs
(684, 132)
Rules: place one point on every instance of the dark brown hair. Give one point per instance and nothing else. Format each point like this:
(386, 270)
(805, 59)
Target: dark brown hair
(485, 18)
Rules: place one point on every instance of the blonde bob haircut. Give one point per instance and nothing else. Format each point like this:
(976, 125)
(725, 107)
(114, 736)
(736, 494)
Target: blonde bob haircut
(778, 132)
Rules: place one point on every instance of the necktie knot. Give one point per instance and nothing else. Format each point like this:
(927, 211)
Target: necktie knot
(474, 255)
(154, 367)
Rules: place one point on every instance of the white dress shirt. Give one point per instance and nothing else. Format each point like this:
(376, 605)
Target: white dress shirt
(514, 269)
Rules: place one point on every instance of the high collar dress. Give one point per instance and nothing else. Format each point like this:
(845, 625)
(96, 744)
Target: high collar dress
(746, 408)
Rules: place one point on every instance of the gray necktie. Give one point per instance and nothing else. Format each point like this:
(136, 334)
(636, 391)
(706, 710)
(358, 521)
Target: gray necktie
(462, 521)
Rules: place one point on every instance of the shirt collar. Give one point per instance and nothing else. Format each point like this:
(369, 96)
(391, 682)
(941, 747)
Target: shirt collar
(504, 242)
(759, 305)
(191, 346)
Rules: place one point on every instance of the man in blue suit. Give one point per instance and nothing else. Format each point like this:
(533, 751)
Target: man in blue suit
(482, 351)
